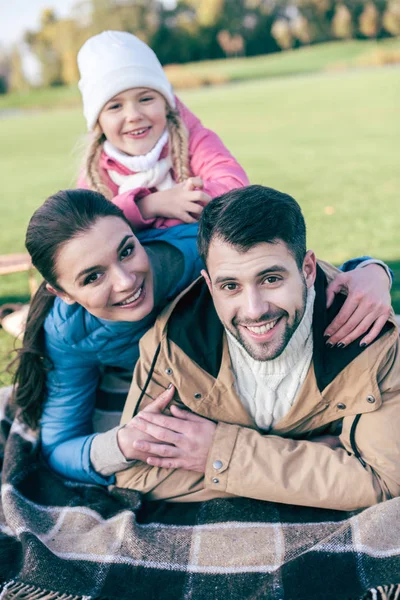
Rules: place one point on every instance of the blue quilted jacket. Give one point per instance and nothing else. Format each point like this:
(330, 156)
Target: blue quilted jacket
(80, 345)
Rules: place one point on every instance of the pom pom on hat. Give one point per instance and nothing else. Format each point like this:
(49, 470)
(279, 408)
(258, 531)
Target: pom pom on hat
(112, 62)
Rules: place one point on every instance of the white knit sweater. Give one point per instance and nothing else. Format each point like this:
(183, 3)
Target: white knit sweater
(269, 388)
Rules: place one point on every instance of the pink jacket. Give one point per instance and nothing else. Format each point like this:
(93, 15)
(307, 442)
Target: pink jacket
(209, 159)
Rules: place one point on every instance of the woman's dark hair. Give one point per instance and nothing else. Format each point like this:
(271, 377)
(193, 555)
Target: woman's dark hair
(251, 215)
(61, 218)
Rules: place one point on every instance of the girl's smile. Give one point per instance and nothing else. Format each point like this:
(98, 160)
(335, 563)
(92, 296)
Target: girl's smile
(133, 121)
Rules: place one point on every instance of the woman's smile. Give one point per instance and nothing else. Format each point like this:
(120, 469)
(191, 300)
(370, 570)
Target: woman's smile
(112, 280)
(133, 299)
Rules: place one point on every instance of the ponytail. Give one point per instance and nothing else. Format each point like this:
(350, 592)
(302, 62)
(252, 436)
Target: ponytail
(30, 376)
(179, 140)
(92, 161)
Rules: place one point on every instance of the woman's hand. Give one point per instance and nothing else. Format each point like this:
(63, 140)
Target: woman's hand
(185, 201)
(367, 306)
(182, 441)
(129, 434)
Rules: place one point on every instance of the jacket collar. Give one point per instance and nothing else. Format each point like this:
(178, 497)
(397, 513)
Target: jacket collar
(194, 326)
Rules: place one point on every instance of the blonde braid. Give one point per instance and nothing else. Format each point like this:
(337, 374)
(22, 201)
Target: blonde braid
(179, 140)
(92, 160)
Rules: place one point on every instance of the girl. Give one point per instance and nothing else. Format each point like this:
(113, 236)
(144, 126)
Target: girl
(148, 153)
(97, 301)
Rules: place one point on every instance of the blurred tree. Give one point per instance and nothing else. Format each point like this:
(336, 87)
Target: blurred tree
(342, 26)
(232, 45)
(282, 33)
(203, 29)
(391, 17)
(369, 22)
(301, 29)
(4, 70)
(319, 15)
(44, 45)
(17, 81)
(209, 12)
(41, 46)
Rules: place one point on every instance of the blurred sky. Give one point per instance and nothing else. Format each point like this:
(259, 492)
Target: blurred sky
(18, 15)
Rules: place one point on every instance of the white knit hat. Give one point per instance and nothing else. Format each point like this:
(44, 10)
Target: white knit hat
(112, 62)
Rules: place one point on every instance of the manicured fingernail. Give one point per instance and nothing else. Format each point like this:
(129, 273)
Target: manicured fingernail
(363, 344)
(341, 345)
(327, 336)
(329, 344)
(169, 387)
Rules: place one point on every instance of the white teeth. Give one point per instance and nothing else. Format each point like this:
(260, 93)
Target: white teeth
(263, 328)
(138, 132)
(132, 298)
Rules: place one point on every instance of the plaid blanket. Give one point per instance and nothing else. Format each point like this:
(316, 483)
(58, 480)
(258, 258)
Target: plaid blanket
(69, 541)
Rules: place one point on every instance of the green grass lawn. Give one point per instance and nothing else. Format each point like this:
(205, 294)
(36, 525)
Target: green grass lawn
(330, 140)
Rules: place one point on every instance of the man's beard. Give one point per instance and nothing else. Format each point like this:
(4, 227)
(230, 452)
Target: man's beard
(274, 348)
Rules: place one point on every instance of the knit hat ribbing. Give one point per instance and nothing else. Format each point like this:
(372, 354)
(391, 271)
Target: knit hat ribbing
(112, 62)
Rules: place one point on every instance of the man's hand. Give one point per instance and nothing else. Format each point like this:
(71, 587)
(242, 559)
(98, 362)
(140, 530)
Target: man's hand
(184, 439)
(368, 304)
(129, 434)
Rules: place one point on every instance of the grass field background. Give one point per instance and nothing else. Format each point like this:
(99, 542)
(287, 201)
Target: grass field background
(330, 139)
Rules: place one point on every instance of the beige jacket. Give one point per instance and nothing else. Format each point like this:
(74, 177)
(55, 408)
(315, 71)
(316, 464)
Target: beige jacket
(351, 391)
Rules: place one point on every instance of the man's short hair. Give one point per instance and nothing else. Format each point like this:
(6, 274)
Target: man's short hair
(252, 215)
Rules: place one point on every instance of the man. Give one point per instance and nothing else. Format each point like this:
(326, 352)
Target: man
(245, 351)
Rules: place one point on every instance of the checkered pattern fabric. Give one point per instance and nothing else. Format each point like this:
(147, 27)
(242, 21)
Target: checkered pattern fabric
(60, 539)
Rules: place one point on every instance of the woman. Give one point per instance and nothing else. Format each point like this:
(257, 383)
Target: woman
(103, 289)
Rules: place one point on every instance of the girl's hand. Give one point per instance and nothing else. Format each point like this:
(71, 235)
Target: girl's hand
(129, 434)
(184, 201)
(367, 305)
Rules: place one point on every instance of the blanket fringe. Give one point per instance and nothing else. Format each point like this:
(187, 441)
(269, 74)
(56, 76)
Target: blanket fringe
(382, 592)
(14, 590)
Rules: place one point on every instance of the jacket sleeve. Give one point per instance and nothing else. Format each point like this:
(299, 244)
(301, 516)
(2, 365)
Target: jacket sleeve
(127, 202)
(299, 472)
(157, 483)
(66, 424)
(364, 261)
(184, 239)
(210, 159)
(313, 474)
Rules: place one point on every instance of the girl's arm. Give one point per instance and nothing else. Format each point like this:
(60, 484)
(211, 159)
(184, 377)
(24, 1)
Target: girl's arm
(129, 202)
(209, 158)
